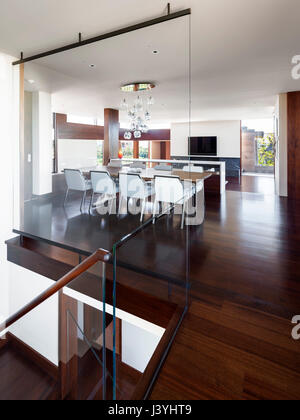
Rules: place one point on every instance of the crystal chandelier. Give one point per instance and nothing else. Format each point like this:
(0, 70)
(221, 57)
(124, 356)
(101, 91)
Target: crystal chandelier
(138, 112)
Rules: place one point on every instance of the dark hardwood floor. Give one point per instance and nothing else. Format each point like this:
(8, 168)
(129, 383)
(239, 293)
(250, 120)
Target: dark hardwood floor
(235, 342)
(21, 379)
(261, 184)
(150, 252)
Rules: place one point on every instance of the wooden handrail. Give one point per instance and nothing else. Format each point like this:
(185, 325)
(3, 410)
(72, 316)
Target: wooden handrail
(99, 255)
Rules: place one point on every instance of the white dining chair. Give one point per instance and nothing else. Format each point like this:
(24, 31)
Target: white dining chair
(76, 182)
(115, 164)
(197, 169)
(138, 165)
(192, 168)
(170, 190)
(163, 167)
(103, 184)
(132, 186)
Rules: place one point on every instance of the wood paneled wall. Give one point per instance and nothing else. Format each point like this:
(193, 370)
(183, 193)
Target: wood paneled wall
(152, 135)
(294, 145)
(71, 131)
(67, 130)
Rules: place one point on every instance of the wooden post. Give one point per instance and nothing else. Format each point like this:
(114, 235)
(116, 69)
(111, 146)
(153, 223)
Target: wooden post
(111, 135)
(68, 347)
(136, 149)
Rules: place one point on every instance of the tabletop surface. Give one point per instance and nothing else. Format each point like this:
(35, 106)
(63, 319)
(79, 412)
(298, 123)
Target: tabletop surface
(149, 173)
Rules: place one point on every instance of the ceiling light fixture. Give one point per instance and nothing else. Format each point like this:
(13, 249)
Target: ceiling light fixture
(137, 87)
(92, 66)
(155, 52)
(139, 112)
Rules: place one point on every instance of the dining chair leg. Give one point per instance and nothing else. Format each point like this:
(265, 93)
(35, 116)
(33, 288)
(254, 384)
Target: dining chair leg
(126, 204)
(143, 210)
(120, 204)
(66, 196)
(110, 206)
(154, 211)
(183, 215)
(91, 202)
(83, 201)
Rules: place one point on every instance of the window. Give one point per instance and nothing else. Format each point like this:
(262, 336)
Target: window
(144, 149)
(265, 150)
(127, 149)
(100, 152)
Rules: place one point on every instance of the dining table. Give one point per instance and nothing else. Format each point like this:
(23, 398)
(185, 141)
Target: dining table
(149, 174)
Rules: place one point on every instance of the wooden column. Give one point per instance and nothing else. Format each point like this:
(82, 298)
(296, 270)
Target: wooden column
(68, 347)
(163, 150)
(293, 145)
(111, 135)
(136, 149)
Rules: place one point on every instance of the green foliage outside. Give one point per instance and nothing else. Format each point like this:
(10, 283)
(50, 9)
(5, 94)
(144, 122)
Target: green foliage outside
(266, 150)
(143, 152)
(100, 153)
(127, 149)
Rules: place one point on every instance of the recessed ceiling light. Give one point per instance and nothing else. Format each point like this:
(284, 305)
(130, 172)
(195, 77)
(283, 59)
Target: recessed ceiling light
(155, 52)
(92, 66)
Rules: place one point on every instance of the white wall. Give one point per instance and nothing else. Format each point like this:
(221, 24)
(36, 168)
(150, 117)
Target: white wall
(281, 161)
(228, 133)
(17, 285)
(8, 127)
(42, 137)
(139, 337)
(73, 154)
(38, 329)
(138, 346)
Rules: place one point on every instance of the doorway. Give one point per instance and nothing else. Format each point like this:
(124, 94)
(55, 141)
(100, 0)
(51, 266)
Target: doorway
(258, 155)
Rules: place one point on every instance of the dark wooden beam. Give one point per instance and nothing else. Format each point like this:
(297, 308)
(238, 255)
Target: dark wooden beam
(72, 131)
(152, 135)
(68, 347)
(136, 149)
(293, 145)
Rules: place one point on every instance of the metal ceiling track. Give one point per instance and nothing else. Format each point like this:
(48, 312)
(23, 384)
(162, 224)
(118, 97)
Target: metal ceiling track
(169, 16)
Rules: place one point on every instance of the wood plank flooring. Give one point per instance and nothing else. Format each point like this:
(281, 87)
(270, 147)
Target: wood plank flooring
(235, 342)
(23, 380)
(254, 184)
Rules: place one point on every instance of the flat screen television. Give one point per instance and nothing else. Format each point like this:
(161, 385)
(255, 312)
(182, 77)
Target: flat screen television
(203, 146)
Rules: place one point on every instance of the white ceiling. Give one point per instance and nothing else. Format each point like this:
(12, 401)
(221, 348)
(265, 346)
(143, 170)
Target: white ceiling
(241, 54)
